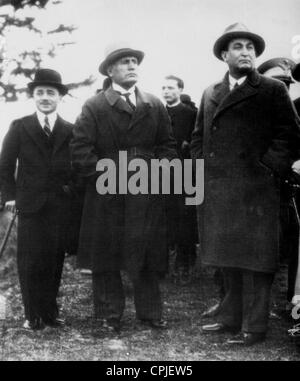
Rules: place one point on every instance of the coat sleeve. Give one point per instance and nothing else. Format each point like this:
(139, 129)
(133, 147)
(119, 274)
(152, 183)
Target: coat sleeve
(165, 146)
(196, 147)
(285, 141)
(8, 161)
(83, 154)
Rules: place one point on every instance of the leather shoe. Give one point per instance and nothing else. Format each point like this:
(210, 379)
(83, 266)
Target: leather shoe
(247, 338)
(212, 311)
(219, 328)
(111, 325)
(33, 325)
(156, 324)
(55, 323)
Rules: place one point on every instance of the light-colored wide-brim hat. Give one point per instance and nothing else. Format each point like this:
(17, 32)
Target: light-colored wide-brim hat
(238, 30)
(116, 51)
(296, 72)
(279, 68)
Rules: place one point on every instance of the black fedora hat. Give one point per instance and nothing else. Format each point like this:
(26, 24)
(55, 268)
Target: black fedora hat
(116, 51)
(238, 30)
(296, 72)
(48, 77)
(279, 68)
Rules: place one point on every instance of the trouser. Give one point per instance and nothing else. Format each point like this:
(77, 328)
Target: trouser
(186, 256)
(109, 298)
(40, 258)
(246, 303)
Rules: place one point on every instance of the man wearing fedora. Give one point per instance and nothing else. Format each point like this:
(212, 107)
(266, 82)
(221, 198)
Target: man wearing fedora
(42, 189)
(296, 76)
(247, 133)
(123, 231)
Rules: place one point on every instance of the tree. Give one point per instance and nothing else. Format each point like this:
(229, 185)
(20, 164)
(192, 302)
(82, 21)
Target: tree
(17, 66)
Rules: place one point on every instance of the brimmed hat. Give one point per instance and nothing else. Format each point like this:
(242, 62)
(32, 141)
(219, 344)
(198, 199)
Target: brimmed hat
(117, 51)
(279, 68)
(296, 72)
(48, 77)
(238, 30)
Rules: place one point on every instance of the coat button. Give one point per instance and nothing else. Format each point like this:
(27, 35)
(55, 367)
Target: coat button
(214, 128)
(212, 154)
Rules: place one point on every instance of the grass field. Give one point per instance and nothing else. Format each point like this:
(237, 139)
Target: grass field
(83, 339)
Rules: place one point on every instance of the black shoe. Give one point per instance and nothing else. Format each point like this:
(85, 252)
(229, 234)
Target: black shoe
(55, 323)
(111, 325)
(247, 338)
(33, 325)
(155, 323)
(219, 328)
(212, 311)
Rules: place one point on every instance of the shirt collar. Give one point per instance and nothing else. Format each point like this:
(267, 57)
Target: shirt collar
(121, 90)
(233, 81)
(174, 104)
(51, 118)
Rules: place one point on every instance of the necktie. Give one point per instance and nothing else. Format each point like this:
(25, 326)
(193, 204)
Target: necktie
(131, 105)
(46, 127)
(235, 86)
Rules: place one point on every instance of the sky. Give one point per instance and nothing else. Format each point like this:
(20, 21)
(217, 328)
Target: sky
(177, 37)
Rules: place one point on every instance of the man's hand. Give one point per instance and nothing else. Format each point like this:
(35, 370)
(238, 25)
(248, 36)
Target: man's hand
(11, 206)
(185, 145)
(296, 167)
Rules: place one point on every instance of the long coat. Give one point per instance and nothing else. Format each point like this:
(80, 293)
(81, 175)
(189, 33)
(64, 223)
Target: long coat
(247, 137)
(121, 231)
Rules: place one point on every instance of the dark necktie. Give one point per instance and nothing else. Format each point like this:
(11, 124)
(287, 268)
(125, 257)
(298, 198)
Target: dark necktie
(235, 86)
(46, 127)
(131, 105)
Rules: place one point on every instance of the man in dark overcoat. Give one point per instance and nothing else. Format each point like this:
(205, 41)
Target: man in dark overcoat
(296, 76)
(182, 220)
(42, 187)
(123, 231)
(247, 132)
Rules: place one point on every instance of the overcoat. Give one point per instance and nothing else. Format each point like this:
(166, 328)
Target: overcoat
(247, 137)
(121, 231)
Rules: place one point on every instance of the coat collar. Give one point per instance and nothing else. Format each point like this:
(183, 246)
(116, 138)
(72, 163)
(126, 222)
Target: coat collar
(36, 132)
(224, 98)
(143, 104)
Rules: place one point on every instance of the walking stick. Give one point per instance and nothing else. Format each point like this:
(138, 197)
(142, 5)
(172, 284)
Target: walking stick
(7, 234)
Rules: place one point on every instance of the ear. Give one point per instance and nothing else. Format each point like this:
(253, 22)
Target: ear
(224, 55)
(109, 70)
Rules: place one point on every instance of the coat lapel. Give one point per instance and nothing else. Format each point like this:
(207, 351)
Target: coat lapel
(116, 101)
(230, 98)
(34, 129)
(60, 134)
(142, 108)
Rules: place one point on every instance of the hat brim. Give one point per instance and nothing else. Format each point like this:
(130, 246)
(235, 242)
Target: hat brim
(296, 72)
(222, 42)
(63, 90)
(116, 55)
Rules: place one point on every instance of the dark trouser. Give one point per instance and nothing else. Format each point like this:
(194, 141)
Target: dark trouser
(40, 262)
(109, 298)
(246, 303)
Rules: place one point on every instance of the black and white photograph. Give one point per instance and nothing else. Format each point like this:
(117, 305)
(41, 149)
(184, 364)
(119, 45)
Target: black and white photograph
(149, 183)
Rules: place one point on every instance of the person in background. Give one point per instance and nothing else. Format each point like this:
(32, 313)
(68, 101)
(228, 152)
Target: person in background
(182, 219)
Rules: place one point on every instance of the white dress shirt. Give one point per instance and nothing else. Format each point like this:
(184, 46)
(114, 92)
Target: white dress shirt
(121, 90)
(233, 81)
(51, 118)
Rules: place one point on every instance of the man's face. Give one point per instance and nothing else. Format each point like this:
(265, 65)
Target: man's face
(240, 56)
(124, 72)
(46, 98)
(170, 91)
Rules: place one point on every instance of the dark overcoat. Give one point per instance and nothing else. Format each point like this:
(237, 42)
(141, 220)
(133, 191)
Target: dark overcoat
(121, 231)
(246, 137)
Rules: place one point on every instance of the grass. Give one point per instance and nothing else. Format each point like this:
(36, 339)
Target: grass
(83, 339)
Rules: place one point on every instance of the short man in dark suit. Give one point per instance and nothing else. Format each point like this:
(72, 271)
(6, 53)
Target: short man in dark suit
(182, 221)
(42, 189)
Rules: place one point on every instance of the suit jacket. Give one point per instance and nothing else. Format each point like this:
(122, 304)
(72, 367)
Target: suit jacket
(44, 165)
(245, 136)
(120, 231)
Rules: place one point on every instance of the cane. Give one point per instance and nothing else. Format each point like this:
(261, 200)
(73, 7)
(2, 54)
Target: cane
(7, 234)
